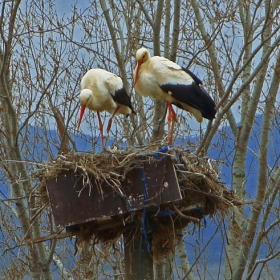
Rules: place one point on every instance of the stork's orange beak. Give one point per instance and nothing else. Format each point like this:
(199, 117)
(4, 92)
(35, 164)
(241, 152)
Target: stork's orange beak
(137, 72)
(83, 107)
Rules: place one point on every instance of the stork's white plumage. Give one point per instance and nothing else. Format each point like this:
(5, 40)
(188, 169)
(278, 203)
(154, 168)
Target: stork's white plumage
(163, 79)
(103, 91)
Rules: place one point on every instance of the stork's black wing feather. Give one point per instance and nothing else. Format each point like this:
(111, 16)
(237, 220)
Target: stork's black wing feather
(122, 98)
(193, 95)
(195, 78)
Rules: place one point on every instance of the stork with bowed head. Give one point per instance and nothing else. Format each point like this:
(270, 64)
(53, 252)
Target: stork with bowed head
(163, 79)
(103, 91)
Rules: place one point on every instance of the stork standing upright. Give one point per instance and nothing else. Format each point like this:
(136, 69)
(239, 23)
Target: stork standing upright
(103, 91)
(163, 79)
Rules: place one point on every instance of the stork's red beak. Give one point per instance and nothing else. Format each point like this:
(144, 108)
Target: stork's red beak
(83, 107)
(137, 72)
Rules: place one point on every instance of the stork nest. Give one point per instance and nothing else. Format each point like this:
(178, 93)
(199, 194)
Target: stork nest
(198, 177)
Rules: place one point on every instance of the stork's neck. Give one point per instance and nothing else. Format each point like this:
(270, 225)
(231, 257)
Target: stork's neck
(91, 104)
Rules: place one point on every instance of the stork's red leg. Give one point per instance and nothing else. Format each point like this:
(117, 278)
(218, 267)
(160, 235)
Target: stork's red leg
(110, 120)
(171, 121)
(101, 130)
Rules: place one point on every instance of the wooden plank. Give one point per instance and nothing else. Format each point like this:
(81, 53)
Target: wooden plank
(157, 178)
(74, 200)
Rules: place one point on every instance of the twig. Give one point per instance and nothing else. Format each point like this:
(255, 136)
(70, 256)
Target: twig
(185, 216)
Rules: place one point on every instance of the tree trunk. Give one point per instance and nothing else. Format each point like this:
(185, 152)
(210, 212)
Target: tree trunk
(182, 254)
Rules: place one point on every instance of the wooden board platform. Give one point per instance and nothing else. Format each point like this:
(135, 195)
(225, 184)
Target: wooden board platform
(77, 199)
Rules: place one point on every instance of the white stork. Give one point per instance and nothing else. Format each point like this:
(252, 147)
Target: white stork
(103, 91)
(163, 79)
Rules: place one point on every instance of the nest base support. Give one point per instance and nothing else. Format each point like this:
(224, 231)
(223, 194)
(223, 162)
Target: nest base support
(138, 261)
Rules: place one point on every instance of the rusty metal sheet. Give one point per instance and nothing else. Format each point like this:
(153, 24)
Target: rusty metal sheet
(75, 201)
